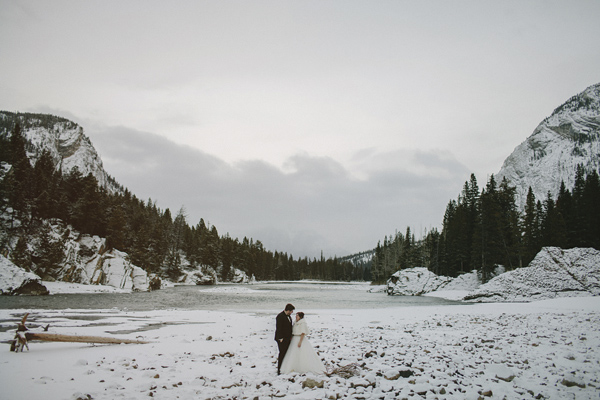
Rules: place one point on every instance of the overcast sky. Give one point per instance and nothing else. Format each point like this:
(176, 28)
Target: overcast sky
(308, 125)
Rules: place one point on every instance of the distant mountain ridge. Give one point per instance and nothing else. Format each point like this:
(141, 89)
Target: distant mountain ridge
(65, 140)
(570, 136)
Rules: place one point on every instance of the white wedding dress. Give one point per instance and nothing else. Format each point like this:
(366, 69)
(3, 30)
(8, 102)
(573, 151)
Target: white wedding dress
(301, 359)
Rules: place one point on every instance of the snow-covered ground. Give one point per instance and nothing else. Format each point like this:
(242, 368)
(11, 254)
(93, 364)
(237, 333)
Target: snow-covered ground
(547, 349)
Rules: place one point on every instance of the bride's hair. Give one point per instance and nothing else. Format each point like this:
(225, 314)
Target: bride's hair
(300, 314)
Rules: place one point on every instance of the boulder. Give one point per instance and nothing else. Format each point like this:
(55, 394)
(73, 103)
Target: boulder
(87, 261)
(15, 280)
(415, 282)
(554, 272)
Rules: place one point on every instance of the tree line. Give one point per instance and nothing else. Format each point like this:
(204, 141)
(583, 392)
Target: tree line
(161, 243)
(482, 230)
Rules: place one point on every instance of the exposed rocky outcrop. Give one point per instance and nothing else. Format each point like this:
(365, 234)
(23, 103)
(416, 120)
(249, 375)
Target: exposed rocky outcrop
(65, 141)
(554, 272)
(415, 282)
(567, 138)
(14, 280)
(88, 261)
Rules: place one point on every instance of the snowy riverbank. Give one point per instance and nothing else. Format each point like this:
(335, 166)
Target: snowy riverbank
(545, 349)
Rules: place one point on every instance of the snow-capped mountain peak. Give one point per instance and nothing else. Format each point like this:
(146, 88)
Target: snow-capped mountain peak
(570, 136)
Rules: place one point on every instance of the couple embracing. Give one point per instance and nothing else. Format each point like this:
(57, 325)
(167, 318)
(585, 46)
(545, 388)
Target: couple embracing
(295, 351)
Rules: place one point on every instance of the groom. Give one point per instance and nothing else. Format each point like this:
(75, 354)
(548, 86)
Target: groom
(283, 333)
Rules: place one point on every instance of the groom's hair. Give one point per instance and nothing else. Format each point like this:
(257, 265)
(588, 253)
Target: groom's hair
(289, 307)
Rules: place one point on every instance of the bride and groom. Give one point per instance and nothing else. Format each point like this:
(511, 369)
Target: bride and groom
(295, 351)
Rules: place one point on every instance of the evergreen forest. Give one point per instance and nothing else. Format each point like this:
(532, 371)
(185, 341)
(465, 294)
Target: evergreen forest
(482, 230)
(161, 243)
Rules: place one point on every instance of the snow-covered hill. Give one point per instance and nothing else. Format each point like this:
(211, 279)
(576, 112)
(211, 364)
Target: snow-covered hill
(65, 140)
(568, 137)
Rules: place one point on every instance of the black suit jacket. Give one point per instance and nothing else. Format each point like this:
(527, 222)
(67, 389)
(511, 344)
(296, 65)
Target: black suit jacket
(283, 328)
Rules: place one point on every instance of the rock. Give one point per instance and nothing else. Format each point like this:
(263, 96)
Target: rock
(406, 373)
(392, 375)
(15, 280)
(553, 272)
(500, 371)
(80, 396)
(32, 287)
(415, 282)
(88, 261)
(155, 283)
(569, 383)
(311, 384)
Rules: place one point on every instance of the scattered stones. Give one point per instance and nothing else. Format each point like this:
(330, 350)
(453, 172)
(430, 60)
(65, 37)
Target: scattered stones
(312, 383)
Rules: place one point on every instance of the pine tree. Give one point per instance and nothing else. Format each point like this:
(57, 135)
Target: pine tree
(590, 207)
(44, 187)
(21, 256)
(19, 179)
(553, 226)
(509, 225)
(488, 239)
(530, 230)
(51, 253)
(564, 206)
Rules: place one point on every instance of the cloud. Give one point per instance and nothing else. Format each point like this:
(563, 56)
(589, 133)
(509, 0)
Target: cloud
(310, 204)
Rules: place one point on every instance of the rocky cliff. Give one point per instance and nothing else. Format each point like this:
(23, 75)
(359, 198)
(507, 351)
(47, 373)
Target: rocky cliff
(567, 138)
(65, 140)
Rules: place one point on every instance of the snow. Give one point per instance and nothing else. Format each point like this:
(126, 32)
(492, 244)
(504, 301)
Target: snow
(543, 349)
(553, 272)
(420, 281)
(68, 287)
(416, 281)
(13, 277)
(87, 261)
(550, 155)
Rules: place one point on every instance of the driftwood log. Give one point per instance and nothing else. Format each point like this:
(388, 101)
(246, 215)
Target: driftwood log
(55, 337)
(24, 335)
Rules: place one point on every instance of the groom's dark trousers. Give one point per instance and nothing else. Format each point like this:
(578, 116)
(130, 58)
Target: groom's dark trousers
(283, 336)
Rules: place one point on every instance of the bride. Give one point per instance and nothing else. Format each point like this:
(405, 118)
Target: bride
(301, 357)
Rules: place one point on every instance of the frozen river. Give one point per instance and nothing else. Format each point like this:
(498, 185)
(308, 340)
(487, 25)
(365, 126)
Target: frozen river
(260, 296)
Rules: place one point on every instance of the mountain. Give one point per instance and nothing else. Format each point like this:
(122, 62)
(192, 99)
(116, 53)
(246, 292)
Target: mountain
(565, 139)
(66, 141)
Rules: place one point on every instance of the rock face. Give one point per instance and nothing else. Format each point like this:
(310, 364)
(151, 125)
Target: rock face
(87, 261)
(415, 282)
(554, 272)
(567, 138)
(14, 280)
(65, 140)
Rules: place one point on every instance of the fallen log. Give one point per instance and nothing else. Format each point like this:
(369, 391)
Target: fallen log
(55, 337)
(24, 335)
